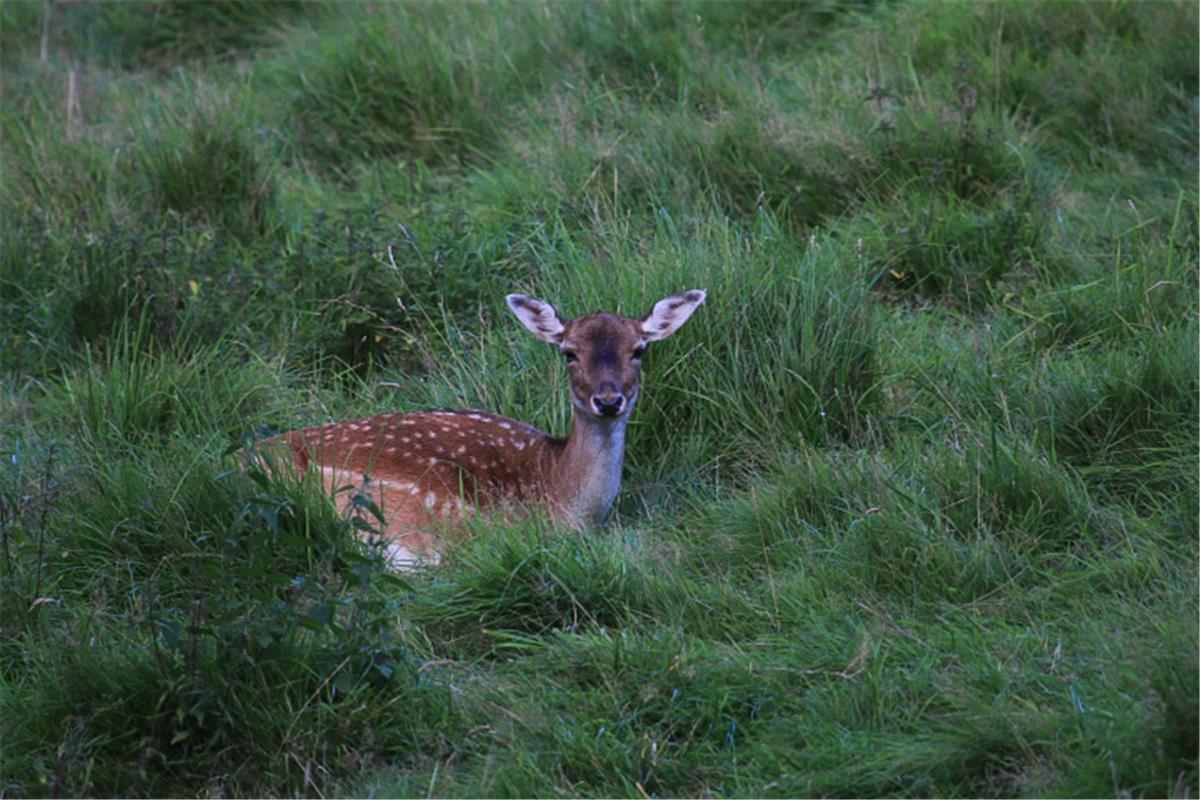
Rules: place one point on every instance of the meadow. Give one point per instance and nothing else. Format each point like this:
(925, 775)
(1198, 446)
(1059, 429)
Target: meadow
(910, 506)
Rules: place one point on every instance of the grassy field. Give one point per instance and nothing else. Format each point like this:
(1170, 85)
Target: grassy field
(910, 506)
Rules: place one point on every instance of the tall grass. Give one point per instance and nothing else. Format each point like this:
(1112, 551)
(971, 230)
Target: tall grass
(910, 504)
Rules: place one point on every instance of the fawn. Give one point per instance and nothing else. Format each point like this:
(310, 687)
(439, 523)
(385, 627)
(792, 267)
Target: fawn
(426, 469)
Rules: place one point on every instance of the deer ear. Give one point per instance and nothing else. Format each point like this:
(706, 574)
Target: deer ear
(537, 315)
(669, 314)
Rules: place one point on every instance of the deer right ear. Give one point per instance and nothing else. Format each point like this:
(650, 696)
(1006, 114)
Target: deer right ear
(537, 315)
(670, 313)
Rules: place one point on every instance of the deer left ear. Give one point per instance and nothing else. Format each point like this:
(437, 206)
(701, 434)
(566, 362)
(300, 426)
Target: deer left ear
(538, 316)
(669, 314)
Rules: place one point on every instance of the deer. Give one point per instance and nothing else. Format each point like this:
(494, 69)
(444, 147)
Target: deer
(426, 471)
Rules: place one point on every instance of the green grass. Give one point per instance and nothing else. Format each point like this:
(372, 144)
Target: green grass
(910, 507)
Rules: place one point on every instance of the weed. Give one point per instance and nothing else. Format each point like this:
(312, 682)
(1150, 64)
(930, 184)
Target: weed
(910, 509)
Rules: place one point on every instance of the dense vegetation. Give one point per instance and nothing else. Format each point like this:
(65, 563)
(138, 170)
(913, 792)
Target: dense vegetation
(911, 506)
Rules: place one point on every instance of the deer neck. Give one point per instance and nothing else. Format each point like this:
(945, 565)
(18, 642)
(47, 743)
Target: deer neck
(588, 473)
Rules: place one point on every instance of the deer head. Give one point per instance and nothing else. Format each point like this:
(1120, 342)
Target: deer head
(604, 351)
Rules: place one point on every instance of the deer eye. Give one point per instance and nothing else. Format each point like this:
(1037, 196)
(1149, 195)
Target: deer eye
(570, 356)
(638, 352)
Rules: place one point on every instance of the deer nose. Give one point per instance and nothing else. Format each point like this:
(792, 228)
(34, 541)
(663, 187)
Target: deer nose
(609, 404)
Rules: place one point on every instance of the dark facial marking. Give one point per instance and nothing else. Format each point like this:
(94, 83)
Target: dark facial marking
(604, 350)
